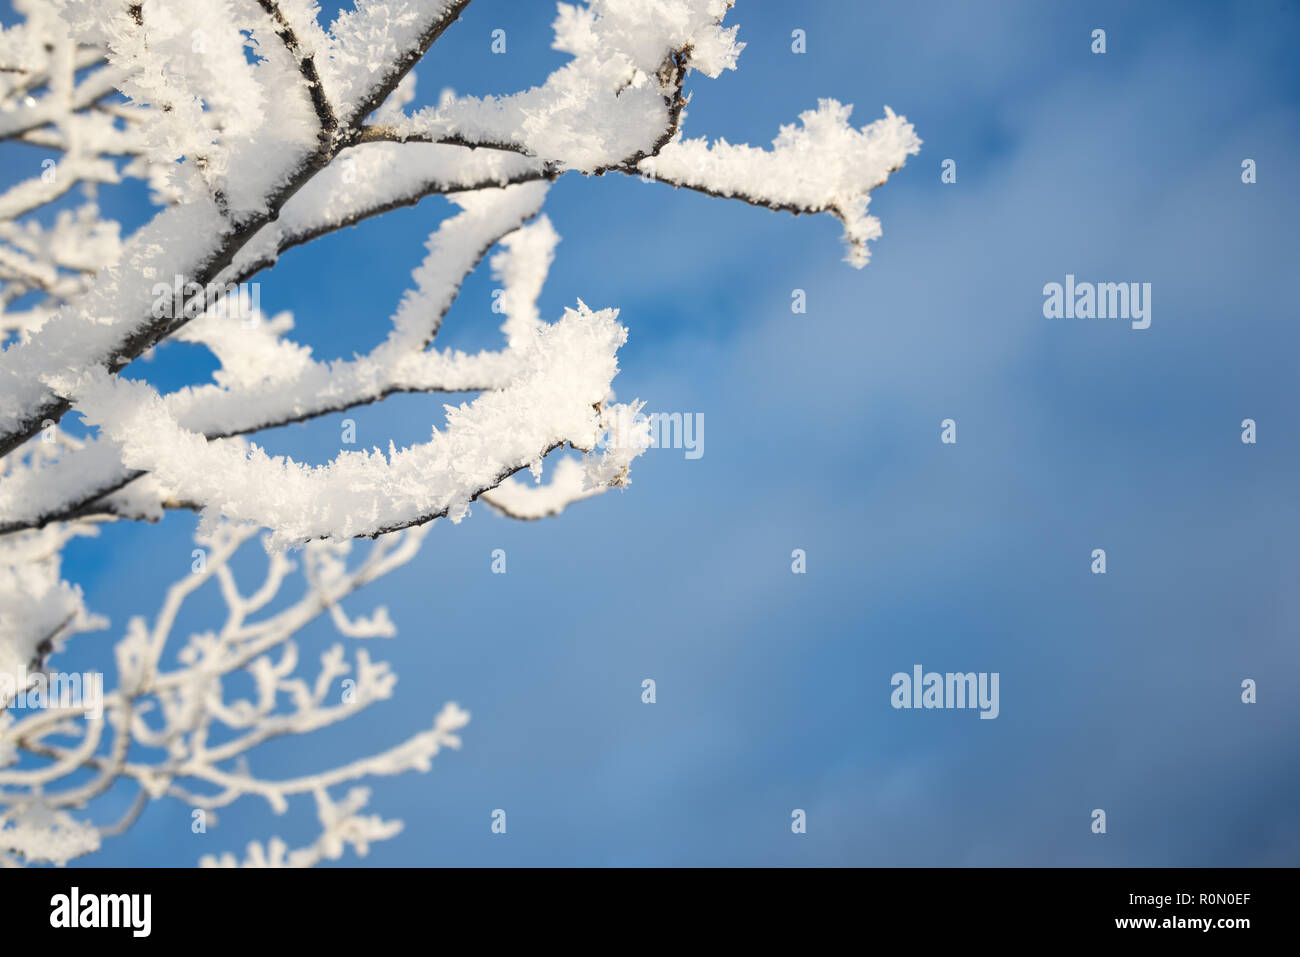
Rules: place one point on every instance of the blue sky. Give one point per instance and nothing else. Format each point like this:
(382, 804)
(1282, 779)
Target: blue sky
(822, 432)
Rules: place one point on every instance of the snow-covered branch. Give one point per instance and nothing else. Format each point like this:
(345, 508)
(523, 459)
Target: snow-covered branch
(260, 129)
(180, 704)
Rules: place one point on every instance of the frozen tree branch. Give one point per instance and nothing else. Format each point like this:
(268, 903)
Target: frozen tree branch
(259, 130)
(176, 713)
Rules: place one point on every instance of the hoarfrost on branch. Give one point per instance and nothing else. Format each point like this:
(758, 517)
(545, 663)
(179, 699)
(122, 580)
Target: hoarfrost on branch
(259, 129)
